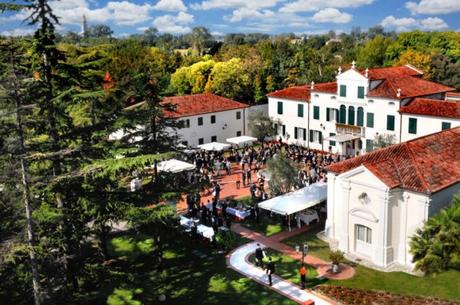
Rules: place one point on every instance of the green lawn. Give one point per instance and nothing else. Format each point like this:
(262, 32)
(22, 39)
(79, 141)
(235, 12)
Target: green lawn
(132, 246)
(445, 285)
(288, 268)
(186, 277)
(267, 226)
(316, 246)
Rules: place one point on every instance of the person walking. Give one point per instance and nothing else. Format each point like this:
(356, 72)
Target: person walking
(270, 270)
(303, 276)
(259, 256)
(243, 177)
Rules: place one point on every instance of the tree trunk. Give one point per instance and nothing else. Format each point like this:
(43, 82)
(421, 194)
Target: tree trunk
(26, 191)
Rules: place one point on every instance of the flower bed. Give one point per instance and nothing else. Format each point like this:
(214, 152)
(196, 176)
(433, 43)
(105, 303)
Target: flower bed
(353, 296)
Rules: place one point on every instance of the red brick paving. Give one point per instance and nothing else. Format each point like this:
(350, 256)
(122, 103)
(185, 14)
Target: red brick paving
(228, 187)
(274, 242)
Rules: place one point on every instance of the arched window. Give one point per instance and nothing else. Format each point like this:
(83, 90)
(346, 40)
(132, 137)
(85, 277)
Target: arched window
(360, 120)
(343, 115)
(351, 115)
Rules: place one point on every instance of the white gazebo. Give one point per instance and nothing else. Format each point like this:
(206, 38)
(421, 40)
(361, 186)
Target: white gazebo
(296, 201)
(214, 146)
(242, 140)
(174, 166)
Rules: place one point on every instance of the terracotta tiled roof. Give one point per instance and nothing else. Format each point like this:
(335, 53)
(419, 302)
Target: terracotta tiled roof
(330, 87)
(410, 87)
(392, 72)
(431, 107)
(425, 165)
(301, 93)
(188, 105)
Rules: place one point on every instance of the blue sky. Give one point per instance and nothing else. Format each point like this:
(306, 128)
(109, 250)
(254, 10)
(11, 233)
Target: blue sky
(266, 16)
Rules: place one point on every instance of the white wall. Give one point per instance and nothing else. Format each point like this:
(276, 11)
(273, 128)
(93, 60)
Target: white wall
(425, 125)
(226, 126)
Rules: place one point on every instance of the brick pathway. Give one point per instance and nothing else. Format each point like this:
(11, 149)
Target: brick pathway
(274, 242)
(228, 188)
(238, 260)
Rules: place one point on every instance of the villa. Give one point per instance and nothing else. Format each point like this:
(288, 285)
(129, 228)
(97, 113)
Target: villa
(346, 115)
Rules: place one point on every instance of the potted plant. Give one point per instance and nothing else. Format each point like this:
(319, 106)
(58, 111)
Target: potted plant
(336, 258)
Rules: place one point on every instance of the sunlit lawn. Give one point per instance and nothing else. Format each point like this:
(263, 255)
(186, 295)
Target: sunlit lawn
(186, 278)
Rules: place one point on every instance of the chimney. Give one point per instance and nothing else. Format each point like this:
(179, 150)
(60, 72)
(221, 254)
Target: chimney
(399, 92)
(367, 73)
(340, 70)
(312, 86)
(353, 65)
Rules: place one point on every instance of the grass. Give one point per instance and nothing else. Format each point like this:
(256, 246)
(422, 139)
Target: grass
(186, 277)
(445, 285)
(316, 246)
(132, 246)
(288, 268)
(267, 226)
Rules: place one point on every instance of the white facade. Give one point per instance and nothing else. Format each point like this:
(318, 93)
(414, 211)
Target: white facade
(370, 221)
(424, 125)
(354, 118)
(212, 127)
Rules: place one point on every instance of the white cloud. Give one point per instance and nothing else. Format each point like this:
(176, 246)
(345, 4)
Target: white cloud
(243, 13)
(407, 24)
(170, 5)
(431, 7)
(316, 5)
(220, 4)
(331, 15)
(174, 24)
(18, 32)
(70, 12)
(433, 24)
(399, 24)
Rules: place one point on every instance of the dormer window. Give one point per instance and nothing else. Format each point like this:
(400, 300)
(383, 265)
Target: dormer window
(391, 103)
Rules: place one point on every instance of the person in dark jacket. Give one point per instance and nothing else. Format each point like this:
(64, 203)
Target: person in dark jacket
(259, 256)
(270, 270)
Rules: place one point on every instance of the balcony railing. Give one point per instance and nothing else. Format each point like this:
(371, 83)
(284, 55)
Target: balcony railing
(349, 129)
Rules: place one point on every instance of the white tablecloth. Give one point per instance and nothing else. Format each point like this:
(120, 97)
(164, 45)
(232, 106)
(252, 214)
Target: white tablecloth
(306, 217)
(206, 232)
(242, 214)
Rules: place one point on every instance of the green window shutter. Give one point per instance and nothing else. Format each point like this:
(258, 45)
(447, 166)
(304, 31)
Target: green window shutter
(369, 145)
(304, 134)
(328, 115)
(445, 125)
(343, 115)
(413, 125)
(343, 90)
(390, 122)
(300, 110)
(360, 92)
(295, 132)
(284, 130)
(311, 135)
(370, 120)
(331, 143)
(316, 112)
(360, 121)
(320, 137)
(280, 107)
(200, 121)
(351, 115)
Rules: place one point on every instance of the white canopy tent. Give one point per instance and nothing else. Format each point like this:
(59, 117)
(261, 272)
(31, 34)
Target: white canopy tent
(242, 140)
(297, 201)
(174, 166)
(214, 146)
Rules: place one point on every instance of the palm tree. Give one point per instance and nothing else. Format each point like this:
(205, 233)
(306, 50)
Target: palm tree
(436, 246)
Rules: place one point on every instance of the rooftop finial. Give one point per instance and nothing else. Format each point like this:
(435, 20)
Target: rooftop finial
(353, 64)
(399, 92)
(340, 70)
(312, 85)
(367, 73)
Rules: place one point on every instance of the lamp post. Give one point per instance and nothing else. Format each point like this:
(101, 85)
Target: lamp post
(304, 251)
